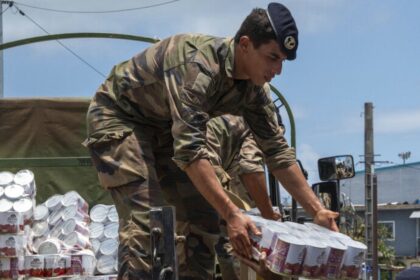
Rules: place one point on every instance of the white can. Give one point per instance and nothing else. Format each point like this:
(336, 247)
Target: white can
(41, 212)
(6, 178)
(11, 222)
(24, 206)
(72, 212)
(14, 192)
(72, 225)
(56, 265)
(111, 230)
(96, 244)
(50, 246)
(1, 191)
(35, 265)
(99, 213)
(26, 179)
(106, 264)
(353, 259)
(112, 214)
(12, 268)
(5, 205)
(74, 198)
(77, 240)
(83, 263)
(55, 218)
(40, 228)
(109, 247)
(54, 202)
(331, 267)
(96, 231)
(12, 245)
(315, 256)
(288, 253)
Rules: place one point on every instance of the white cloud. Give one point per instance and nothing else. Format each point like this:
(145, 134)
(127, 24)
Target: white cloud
(309, 158)
(398, 122)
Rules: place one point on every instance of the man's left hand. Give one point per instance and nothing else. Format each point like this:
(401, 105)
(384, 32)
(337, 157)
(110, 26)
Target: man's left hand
(326, 218)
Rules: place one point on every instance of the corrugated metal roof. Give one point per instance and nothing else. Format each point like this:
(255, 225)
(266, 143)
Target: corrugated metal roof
(415, 215)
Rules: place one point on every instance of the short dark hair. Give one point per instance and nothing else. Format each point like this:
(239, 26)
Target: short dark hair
(257, 27)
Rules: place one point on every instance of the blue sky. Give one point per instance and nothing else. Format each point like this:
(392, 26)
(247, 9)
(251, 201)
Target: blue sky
(350, 52)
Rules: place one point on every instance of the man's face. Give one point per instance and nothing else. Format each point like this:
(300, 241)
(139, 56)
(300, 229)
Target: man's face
(264, 62)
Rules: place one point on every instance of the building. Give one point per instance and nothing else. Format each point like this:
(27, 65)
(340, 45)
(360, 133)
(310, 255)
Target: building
(398, 204)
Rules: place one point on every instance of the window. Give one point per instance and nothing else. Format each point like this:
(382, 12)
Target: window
(387, 229)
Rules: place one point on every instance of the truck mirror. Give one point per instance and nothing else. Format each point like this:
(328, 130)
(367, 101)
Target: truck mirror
(327, 192)
(336, 168)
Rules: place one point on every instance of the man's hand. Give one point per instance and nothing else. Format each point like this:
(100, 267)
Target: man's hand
(238, 226)
(326, 218)
(275, 216)
(261, 267)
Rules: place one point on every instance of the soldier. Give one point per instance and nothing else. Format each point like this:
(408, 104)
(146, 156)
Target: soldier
(151, 112)
(239, 165)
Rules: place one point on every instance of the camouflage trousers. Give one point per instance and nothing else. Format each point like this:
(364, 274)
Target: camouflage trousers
(140, 174)
(228, 263)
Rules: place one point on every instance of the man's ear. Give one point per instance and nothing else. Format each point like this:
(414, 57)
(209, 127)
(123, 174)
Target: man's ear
(244, 43)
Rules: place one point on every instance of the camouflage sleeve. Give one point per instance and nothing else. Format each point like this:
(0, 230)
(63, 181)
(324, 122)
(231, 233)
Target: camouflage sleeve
(187, 86)
(250, 156)
(261, 118)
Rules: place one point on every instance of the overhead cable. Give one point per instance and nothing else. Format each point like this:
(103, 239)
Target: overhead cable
(98, 12)
(62, 44)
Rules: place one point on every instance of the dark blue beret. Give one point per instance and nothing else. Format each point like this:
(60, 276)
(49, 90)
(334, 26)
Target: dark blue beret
(285, 28)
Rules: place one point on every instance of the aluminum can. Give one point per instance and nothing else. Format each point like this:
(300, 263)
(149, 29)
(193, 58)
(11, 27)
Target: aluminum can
(26, 179)
(14, 192)
(74, 198)
(12, 268)
(77, 241)
(99, 213)
(111, 230)
(331, 267)
(96, 244)
(109, 247)
(40, 228)
(35, 266)
(5, 205)
(11, 222)
(51, 246)
(72, 225)
(54, 202)
(57, 265)
(288, 254)
(112, 214)
(72, 212)
(25, 206)
(106, 264)
(12, 245)
(314, 258)
(1, 191)
(6, 178)
(96, 231)
(353, 259)
(41, 212)
(83, 263)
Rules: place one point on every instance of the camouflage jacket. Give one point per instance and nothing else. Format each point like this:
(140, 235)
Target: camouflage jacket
(230, 144)
(178, 84)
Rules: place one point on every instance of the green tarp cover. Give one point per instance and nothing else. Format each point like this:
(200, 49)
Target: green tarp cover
(49, 128)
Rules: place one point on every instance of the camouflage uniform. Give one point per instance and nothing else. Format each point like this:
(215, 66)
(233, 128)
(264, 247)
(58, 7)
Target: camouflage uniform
(155, 106)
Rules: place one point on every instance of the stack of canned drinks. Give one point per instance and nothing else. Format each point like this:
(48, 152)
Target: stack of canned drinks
(104, 238)
(307, 250)
(61, 238)
(17, 201)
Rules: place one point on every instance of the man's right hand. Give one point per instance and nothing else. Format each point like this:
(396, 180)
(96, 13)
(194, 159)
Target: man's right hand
(238, 226)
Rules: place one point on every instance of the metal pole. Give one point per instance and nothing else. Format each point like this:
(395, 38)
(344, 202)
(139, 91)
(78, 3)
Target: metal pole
(1, 52)
(370, 195)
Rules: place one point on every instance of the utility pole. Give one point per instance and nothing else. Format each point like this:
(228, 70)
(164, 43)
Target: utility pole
(371, 205)
(9, 3)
